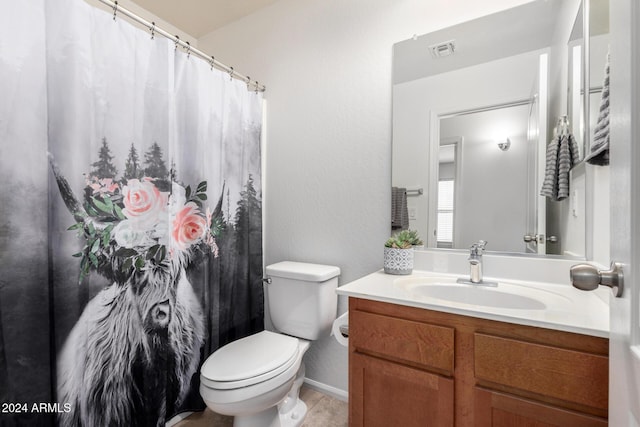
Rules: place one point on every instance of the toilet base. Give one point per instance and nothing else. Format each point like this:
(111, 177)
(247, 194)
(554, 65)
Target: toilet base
(273, 418)
(291, 412)
(295, 417)
(267, 418)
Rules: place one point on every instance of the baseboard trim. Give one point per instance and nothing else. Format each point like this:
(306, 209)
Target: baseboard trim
(327, 389)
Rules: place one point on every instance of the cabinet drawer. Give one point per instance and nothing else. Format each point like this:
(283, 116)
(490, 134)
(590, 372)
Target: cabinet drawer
(569, 375)
(495, 409)
(423, 344)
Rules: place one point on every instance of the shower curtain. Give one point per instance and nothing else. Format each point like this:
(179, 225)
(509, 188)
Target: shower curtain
(130, 206)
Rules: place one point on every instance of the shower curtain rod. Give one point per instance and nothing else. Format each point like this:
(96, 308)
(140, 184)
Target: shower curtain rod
(154, 29)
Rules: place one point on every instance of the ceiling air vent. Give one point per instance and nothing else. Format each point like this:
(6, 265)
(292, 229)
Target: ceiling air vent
(443, 49)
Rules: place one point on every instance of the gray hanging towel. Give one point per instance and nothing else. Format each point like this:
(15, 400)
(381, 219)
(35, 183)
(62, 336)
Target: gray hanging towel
(562, 155)
(599, 150)
(399, 210)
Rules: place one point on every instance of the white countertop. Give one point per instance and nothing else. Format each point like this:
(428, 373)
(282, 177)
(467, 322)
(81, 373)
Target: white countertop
(567, 309)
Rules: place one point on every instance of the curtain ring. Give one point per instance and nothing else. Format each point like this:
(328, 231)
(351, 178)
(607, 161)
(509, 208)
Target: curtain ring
(230, 73)
(188, 48)
(153, 30)
(257, 87)
(248, 83)
(177, 42)
(212, 61)
(115, 9)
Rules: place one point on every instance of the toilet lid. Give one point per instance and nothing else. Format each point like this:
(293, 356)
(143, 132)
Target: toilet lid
(250, 360)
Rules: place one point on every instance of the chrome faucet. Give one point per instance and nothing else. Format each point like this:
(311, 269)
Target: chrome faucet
(475, 261)
(475, 264)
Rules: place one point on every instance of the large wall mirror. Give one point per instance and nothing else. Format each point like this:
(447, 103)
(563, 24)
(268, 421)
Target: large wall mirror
(475, 107)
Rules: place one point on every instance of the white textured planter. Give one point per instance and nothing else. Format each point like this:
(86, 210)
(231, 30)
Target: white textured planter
(398, 261)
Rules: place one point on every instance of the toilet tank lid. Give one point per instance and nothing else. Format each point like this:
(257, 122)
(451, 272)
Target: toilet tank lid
(303, 271)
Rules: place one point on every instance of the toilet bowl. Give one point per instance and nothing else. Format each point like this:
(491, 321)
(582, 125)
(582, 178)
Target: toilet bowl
(257, 379)
(249, 384)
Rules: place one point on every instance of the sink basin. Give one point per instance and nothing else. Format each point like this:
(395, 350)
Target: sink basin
(477, 295)
(504, 296)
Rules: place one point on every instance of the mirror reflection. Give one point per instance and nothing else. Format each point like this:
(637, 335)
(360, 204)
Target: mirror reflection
(475, 107)
(483, 200)
(575, 80)
(598, 44)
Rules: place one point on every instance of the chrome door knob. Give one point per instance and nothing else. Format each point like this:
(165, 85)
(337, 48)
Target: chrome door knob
(587, 277)
(539, 238)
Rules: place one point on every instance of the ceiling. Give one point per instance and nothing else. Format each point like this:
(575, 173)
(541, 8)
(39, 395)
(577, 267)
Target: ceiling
(200, 17)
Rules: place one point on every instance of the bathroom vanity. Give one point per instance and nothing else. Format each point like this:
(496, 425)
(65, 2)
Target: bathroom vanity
(420, 359)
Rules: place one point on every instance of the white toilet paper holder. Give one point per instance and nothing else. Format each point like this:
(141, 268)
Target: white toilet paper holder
(344, 330)
(340, 329)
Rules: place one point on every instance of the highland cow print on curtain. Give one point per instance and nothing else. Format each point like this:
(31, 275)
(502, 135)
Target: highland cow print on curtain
(138, 167)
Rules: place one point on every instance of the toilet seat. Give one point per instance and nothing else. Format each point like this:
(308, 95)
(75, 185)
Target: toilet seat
(250, 360)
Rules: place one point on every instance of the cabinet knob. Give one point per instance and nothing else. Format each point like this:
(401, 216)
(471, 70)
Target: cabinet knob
(587, 277)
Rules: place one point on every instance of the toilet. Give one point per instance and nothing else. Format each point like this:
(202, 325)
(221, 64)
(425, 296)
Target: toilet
(257, 379)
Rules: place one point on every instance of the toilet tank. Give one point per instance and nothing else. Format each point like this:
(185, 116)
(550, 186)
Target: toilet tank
(302, 298)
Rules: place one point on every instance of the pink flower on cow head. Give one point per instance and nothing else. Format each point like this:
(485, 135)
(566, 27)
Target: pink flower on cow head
(189, 226)
(142, 198)
(102, 185)
(133, 227)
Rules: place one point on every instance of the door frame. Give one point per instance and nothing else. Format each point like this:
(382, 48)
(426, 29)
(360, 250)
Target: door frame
(624, 368)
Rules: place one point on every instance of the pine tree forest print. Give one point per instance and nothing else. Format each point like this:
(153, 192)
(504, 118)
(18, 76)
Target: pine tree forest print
(131, 238)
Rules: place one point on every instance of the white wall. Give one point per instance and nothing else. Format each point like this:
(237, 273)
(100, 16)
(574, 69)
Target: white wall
(327, 68)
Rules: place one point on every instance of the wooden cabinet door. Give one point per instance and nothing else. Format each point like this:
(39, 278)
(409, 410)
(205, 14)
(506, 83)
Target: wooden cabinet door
(383, 394)
(493, 409)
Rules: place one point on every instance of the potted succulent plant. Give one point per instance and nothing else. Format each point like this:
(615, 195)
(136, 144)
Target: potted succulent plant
(398, 252)
(414, 239)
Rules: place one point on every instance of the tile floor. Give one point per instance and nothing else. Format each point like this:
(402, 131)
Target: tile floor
(323, 411)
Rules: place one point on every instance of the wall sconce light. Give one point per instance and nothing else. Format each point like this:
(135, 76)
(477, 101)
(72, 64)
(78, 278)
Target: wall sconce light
(504, 145)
